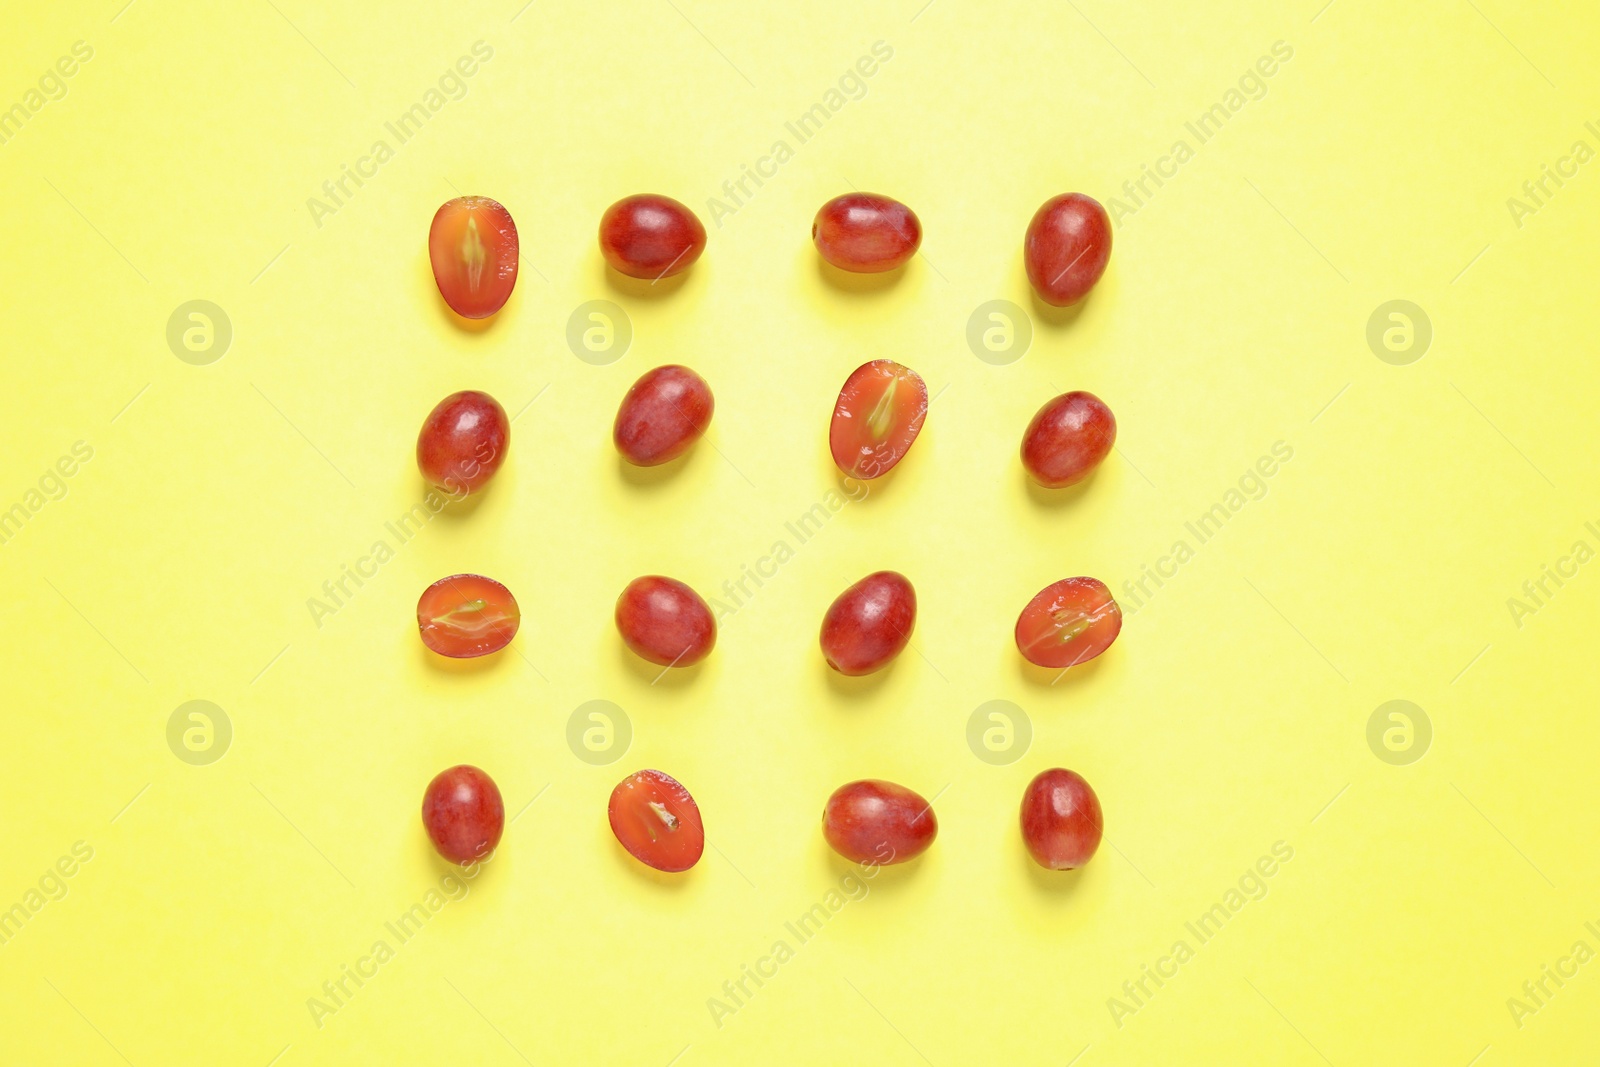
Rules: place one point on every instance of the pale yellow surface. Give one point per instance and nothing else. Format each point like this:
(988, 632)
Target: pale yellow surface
(1231, 715)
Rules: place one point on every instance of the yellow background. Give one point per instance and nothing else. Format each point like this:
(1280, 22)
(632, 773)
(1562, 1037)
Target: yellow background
(1231, 714)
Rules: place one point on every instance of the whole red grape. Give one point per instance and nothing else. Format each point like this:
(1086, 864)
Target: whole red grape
(664, 621)
(1067, 248)
(650, 236)
(1061, 820)
(1067, 439)
(463, 814)
(665, 412)
(877, 822)
(870, 623)
(866, 233)
(463, 441)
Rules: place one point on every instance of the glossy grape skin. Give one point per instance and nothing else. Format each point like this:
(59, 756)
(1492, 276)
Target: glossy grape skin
(657, 821)
(869, 624)
(876, 420)
(664, 621)
(1061, 820)
(463, 442)
(666, 411)
(866, 233)
(650, 236)
(1068, 439)
(1067, 247)
(473, 249)
(876, 822)
(1068, 622)
(463, 814)
(467, 615)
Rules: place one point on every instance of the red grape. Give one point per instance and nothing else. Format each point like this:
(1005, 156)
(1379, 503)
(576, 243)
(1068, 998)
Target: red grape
(463, 441)
(879, 413)
(664, 621)
(1067, 439)
(1061, 820)
(472, 245)
(1068, 623)
(657, 821)
(870, 623)
(463, 814)
(866, 233)
(877, 822)
(1067, 248)
(650, 236)
(467, 615)
(664, 413)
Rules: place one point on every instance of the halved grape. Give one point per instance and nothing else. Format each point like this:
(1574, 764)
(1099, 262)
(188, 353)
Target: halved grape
(472, 246)
(467, 615)
(877, 418)
(1069, 622)
(657, 821)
